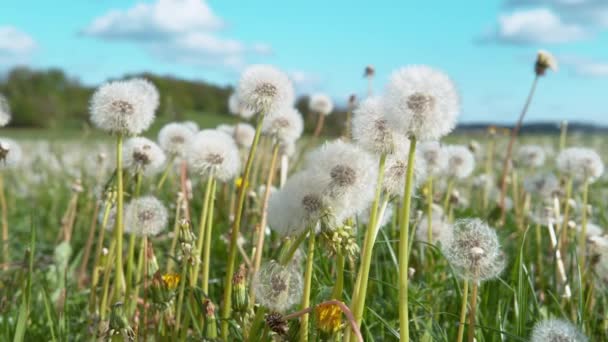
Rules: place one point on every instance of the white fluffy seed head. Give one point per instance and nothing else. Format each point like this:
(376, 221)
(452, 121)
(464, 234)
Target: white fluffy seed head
(265, 88)
(347, 173)
(320, 103)
(286, 125)
(545, 60)
(556, 330)
(473, 250)
(150, 91)
(193, 126)
(5, 111)
(435, 157)
(530, 156)
(371, 130)
(213, 152)
(142, 155)
(580, 163)
(421, 102)
(10, 153)
(238, 108)
(173, 139)
(461, 161)
(440, 228)
(543, 185)
(278, 287)
(297, 206)
(396, 168)
(123, 107)
(145, 216)
(243, 135)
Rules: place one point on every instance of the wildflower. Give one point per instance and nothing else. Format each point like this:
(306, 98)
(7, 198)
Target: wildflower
(530, 156)
(123, 107)
(238, 108)
(5, 111)
(347, 174)
(213, 153)
(421, 102)
(435, 156)
(286, 125)
(142, 155)
(580, 163)
(119, 327)
(173, 139)
(329, 318)
(396, 167)
(544, 61)
(277, 287)
(145, 216)
(210, 320)
(473, 250)
(263, 88)
(556, 330)
(461, 161)
(240, 297)
(150, 92)
(243, 135)
(371, 131)
(171, 280)
(10, 153)
(543, 185)
(321, 104)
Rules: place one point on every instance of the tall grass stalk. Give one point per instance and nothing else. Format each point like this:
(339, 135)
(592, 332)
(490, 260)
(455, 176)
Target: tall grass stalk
(463, 309)
(6, 253)
(307, 286)
(201, 231)
(206, 257)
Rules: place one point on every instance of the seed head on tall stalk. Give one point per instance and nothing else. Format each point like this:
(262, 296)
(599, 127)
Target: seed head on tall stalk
(421, 103)
(544, 61)
(123, 108)
(369, 74)
(321, 105)
(263, 89)
(10, 156)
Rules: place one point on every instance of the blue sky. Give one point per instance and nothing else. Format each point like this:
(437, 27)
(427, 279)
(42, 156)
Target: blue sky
(488, 46)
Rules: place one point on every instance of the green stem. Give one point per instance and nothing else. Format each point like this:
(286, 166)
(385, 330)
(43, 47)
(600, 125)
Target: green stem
(583, 236)
(106, 281)
(208, 236)
(258, 320)
(163, 177)
(131, 248)
(429, 209)
(6, 254)
(307, 286)
(180, 296)
(566, 217)
(291, 248)
(98, 249)
(471, 331)
(339, 285)
(119, 281)
(463, 310)
(404, 225)
(201, 232)
(236, 227)
(448, 194)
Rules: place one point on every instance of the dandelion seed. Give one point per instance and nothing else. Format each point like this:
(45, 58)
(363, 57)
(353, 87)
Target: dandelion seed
(145, 216)
(265, 88)
(213, 152)
(461, 161)
(123, 107)
(173, 139)
(142, 155)
(556, 330)
(286, 125)
(277, 287)
(150, 91)
(10, 153)
(421, 102)
(580, 163)
(321, 104)
(5, 111)
(371, 130)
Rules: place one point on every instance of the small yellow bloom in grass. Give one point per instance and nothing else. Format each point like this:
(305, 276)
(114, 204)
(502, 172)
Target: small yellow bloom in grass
(239, 182)
(171, 280)
(329, 318)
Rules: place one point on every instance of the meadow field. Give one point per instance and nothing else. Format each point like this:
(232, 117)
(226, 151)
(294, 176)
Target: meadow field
(239, 227)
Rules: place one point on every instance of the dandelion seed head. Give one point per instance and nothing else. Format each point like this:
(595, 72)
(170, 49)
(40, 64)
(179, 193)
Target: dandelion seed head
(461, 161)
(580, 163)
(265, 88)
(435, 157)
(544, 185)
(123, 107)
(396, 168)
(173, 139)
(150, 91)
(238, 108)
(371, 130)
(544, 60)
(193, 126)
(243, 135)
(5, 111)
(421, 102)
(556, 330)
(145, 216)
(286, 125)
(321, 103)
(531, 156)
(142, 155)
(10, 153)
(213, 152)
(440, 227)
(473, 250)
(278, 287)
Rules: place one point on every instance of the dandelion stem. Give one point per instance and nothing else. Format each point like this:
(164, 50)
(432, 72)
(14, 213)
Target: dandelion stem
(339, 285)
(180, 296)
(131, 249)
(471, 331)
(307, 286)
(163, 177)
(119, 281)
(463, 309)
(448, 195)
(236, 227)
(429, 209)
(6, 254)
(178, 210)
(97, 267)
(583, 235)
(404, 224)
(291, 248)
(201, 231)
(207, 247)
(563, 242)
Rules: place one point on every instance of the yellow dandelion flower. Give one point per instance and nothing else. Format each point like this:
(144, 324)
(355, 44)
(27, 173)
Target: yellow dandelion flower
(329, 318)
(171, 280)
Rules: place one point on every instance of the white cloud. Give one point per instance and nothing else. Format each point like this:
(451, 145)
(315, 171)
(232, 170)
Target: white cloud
(304, 81)
(586, 67)
(15, 43)
(535, 26)
(590, 13)
(185, 31)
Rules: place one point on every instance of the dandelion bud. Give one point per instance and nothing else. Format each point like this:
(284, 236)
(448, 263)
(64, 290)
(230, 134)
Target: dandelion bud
(119, 327)
(278, 287)
(174, 137)
(10, 153)
(240, 296)
(580, 163)
(321, 104)
(145, 216)
(556, 330)
(162, 289)
(369, 71)
(544, 61)
(329, 318)
(5, 111)
(210, 320)
(277, 324)
(187, 241)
